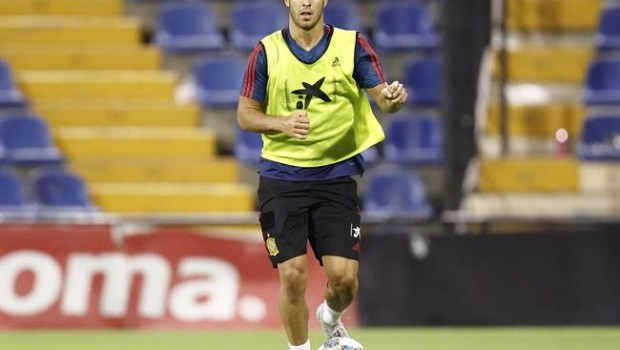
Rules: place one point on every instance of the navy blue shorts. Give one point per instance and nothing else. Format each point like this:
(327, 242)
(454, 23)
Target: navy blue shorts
(325, 214)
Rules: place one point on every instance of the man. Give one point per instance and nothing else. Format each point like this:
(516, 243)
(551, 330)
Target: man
(304, 91)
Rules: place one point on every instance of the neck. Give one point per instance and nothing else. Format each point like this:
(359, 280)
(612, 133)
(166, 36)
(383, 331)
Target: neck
(306, 38)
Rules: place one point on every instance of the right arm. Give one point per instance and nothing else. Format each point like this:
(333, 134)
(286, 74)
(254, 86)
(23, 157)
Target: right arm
(250, 115)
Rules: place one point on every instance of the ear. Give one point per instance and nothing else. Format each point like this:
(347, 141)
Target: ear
(325, 3)
(287, 3)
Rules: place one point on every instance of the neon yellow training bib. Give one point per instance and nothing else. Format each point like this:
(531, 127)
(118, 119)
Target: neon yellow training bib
(342, 123)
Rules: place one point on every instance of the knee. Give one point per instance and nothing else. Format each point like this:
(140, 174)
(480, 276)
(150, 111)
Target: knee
(344, 282)
(293, 280)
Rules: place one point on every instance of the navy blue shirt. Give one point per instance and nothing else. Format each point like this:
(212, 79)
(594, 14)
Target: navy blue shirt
(367, 72)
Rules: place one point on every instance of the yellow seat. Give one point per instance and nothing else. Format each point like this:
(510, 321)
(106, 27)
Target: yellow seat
(97, 85)
(172, 198)
(538, 120)
(136, 142)
(153, 169)
(529, 175)
(554, 15)
(113, 113)
(551, 64)
(66, 57)
(61, 7)
(69, 30)
(599, 177)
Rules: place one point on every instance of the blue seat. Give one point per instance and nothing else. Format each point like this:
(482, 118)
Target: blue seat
(396, 193)
(608, 34)
(10, 94)
(218, 80)
(343, 14)
(251, 21)
(60, 189)
(404, 26)
(423, 81)
(600, 138)
(186, 27)
(13, 204)
(27, 142)
(602, 86)
(413, 139)
(248, 146)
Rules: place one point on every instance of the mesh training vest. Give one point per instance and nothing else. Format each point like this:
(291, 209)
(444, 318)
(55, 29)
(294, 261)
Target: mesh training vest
(342, 123)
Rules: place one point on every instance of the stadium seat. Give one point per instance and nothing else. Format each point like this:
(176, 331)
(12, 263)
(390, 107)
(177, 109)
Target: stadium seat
(602, 85)
(248, 146)
(251, 21)
(12, 199)
(608, 34)
(413, 139)
(10, 94)
(422, 78)
(600, 138)
(343, 14)
(27, 141)
(395, 193)
(59, 189)
(187, 27)
(404, 26)
(218, 80)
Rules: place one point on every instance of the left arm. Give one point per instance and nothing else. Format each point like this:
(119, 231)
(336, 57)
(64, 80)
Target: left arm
(369, 74)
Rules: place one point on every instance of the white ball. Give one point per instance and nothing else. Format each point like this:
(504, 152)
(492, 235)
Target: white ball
(341, 344)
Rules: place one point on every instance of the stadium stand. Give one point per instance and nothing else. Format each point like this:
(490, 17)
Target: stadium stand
(404, 26)
(188, 27)
(251, 21)
(98, 81)
(421, 76)
(600, 138)
(343, 14)
(602, 86)
(413, 139)
(59, 189)
(394, 193)
(10, 94)
(27, 142)
(218, 80)
(248, 146)
(553, 69)
(608, 33)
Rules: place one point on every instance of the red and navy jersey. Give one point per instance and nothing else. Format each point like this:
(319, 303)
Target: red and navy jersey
(367, 72)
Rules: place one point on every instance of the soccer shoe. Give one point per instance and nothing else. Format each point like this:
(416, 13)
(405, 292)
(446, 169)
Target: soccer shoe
(332, 331)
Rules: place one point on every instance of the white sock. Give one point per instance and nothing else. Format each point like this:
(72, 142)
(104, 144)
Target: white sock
(304, 346)
(330, 316)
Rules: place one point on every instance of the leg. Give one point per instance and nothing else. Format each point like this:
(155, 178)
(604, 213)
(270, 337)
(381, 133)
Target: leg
(292, 301)
(341, 281)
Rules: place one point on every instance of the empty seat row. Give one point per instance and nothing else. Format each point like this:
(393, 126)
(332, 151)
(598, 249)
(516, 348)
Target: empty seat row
(192, 26)
(44, 191)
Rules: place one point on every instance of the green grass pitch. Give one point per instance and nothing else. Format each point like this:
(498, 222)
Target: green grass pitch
(567, 338)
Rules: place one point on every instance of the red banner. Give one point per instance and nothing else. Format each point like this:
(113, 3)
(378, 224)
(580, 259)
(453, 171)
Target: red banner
(87, 277)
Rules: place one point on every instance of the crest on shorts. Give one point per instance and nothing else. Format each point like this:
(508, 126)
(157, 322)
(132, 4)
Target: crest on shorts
(272, 247)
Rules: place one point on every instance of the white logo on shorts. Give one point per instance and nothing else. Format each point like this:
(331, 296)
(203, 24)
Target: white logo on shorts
(355, 231)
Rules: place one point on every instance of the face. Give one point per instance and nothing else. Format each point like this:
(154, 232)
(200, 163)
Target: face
(306, 14)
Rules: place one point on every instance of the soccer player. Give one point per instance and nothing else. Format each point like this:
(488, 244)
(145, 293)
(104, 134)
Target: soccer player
(305, 91)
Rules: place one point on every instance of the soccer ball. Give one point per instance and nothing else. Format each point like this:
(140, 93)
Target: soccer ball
(341, 344)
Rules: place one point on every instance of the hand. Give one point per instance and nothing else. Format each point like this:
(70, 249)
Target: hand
(297, 125)
(395, 93)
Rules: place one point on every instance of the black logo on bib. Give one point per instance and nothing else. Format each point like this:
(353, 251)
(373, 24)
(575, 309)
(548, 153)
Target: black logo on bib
(310, 91)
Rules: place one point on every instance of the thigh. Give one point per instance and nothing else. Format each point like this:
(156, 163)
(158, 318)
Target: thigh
(335, 227)
(283, 219)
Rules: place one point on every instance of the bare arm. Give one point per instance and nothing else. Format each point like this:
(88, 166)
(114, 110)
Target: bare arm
(390, 98)
(250, 117)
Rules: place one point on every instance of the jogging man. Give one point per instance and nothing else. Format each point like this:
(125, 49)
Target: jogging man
(305, 91)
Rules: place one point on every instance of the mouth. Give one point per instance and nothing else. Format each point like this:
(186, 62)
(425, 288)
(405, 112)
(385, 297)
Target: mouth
(306, 14)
